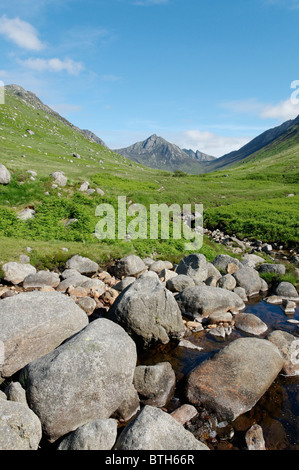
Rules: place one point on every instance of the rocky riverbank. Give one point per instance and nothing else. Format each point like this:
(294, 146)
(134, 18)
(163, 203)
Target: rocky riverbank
(71, 344)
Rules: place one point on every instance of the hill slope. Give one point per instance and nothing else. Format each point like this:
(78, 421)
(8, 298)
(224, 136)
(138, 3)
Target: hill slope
(156, 152)
(252, 147)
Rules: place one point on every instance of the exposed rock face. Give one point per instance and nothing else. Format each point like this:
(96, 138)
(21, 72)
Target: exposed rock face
(233, 381)
(148, 312)
(204, 300)
(33, 324)
(153, 429)
(84, 379)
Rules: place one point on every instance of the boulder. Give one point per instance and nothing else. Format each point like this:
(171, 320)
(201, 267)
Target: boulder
(249, 279)
(203, 300)
(227, 282)
(288, 346)
(41, 279)
(75, 280)
(250, 324)
(153, 429)
(130, 265)
(127, 281)
(59, 178)
(15, 392)
(241, 292)
(157, 266)
(26, 214)
(148, 312)
(33, 324)
(4, 175)
(20, 428)
(84, 379)
(254, 438)
(129, 407)
(88, 305)
(184, 413)
(82, 265)
(16, 272)
(179, 283)
(194, 266)
(252, 260)
(100, 434)
(279, 269)
(155, 384)
(286, 290)
(221, 262)
(234, 379)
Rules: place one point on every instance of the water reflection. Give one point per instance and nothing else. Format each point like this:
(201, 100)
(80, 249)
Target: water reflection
(277, 411)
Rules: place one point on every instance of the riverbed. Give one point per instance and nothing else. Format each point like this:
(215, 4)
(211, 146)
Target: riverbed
(277, 412)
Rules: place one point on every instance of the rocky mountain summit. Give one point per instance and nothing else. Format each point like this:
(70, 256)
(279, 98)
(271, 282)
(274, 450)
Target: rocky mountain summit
(156, 152)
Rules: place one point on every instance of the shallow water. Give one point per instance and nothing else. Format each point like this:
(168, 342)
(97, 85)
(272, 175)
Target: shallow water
(277, 412)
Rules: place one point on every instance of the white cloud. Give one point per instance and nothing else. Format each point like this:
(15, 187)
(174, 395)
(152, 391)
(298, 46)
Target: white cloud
(282, 111)
(210, 143)
(21, 33)
(53, 65)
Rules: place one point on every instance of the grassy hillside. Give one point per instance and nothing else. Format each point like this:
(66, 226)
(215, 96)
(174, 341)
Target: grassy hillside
(250, 200)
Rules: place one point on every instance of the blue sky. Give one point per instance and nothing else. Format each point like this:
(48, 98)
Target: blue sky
(207, 75)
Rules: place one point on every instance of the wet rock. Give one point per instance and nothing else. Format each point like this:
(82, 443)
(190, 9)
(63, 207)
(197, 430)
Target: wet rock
(179, 283)
(84, 379)
(251, 324)
(16, 272)
(273, 299)
(249, 279)
(33, 324)
(96, 435)
(234, 379)
(41, 279)
(288, 307)
(153, 429)
(194, 266)
(20, 428)
(288, 346)
(82, 265)
(148, 312)
(255, 438)
(204, 300)
(155, 384)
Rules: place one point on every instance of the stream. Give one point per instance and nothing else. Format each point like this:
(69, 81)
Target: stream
(277, 412)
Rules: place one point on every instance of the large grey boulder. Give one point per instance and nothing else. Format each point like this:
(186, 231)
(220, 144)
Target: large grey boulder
(227, 282)
(82, 265)
(155, 384)
(4, 175)
(153, 429)
(221, 262)
(42, 279)
(59, 178)
(130, 265)
(286, 290)
(288, 346)
(194, 266)
(249, 279)
(16, 272)
(74, 280)
(96, 435)
(148, 312)
(20, 428)
(234, 379)
(179, 283)
(84, 379)
(33, 324)
(202, 301)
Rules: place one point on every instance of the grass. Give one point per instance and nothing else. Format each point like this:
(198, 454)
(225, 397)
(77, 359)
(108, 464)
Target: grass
(249, 200)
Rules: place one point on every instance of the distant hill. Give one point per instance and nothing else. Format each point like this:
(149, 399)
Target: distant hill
(255, 145)
(156, 152)
(199, 156)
